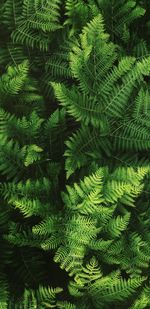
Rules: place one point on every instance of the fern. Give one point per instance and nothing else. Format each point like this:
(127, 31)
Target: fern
(90, 283)
(117, 225)
(11, 155)
(90, 212)
(77, 13)
(43, 296)
(119, 17)
(37, 19)
(102, 103)
(74, 154)
(58, 67)
(142, 301)
(10, 55)
(11, 12)
(14, 79)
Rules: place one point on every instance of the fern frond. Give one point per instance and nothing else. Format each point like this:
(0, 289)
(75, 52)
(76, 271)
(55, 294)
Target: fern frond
(32, 154)
(28, 188)
(58, 68)
(101, 98)
(10, 55)
(117, 291)
(48, 226)
(142, 301)
(30, 38)
(80, 106)
(11, 13)
(77, 13)
(123, 14)
(80, 148)
(65, 305)
(11, 158)
(116, 225)
(38, 18)
(22, 128)
(13, 80)
(29, 207)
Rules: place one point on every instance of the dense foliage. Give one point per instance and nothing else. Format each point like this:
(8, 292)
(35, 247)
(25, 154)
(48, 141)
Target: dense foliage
(74, 154)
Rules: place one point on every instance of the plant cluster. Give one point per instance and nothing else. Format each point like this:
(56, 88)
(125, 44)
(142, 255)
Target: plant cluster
(74, 154)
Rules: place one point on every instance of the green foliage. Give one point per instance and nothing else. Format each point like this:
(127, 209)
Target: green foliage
(119, 17)
(32, 21)
(74, 154)
(90, 214)
(14, 79)
(102, 104)
(43, 297)
(111, 288)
